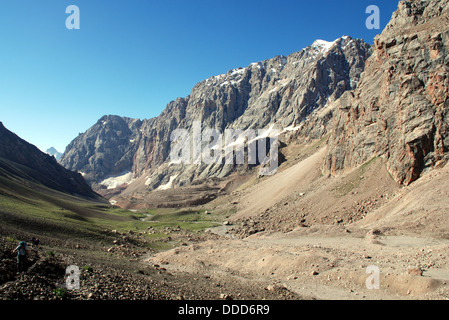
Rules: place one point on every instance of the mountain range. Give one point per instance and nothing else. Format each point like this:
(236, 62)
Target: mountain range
(387, 100)
(281, 92)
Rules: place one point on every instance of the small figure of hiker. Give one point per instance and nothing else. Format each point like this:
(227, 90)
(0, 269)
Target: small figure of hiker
(35, 242)
(22, 251)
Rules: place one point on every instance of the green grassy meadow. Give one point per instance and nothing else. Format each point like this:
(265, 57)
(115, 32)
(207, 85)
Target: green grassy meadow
(27, 208)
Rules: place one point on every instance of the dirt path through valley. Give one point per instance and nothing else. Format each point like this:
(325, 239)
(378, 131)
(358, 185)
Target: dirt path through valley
(325, 265)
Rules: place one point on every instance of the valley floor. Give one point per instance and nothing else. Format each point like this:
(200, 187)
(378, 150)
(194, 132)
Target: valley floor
(319, 236)
(326, 264)
(297, 235)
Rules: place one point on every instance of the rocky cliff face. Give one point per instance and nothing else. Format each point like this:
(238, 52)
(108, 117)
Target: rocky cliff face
(281, 91)
(399, 111)
(20, 159)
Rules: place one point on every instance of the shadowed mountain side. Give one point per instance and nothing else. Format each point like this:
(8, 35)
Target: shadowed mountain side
(20, 158)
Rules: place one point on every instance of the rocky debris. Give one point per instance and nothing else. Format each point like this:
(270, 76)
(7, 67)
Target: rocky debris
(415, 271)
(224, 296)
(45, 276)
(106, 284)
(374, 236)
(374, 232)
(120, 278)
(246, 228)
(45, 279)
(277, 287)
(8, 266)
(181, 197)
(37, 283)
(399, 110)
(297, 211)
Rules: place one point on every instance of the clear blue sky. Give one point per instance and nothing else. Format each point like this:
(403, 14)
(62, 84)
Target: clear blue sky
(132, 57)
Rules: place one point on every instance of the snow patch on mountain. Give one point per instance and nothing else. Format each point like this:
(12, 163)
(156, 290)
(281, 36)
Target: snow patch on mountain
(114, 182)
(322, 45)
(169, 184)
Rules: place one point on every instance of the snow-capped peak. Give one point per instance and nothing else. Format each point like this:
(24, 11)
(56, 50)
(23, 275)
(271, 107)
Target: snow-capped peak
(322, 45)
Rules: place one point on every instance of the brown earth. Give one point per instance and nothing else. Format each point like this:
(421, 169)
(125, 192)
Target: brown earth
(316, 235)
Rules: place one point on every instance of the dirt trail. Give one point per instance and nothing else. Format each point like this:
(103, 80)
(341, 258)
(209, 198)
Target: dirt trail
(323, 266)
(358, 219)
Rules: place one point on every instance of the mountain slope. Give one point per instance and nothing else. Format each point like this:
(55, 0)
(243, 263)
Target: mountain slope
(19, 159)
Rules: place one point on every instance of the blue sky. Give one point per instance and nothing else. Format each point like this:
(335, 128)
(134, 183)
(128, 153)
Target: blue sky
(132, 57)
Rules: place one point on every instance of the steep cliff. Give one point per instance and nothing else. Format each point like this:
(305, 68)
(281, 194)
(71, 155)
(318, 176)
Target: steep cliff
(399, 110)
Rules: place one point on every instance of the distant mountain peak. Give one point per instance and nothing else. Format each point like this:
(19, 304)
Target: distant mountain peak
(53, 152)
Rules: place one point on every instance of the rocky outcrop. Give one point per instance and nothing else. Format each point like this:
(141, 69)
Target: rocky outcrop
(281, 91)
(399, 110)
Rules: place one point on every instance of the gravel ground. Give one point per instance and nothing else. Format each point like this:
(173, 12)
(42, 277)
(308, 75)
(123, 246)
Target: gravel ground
(119, 277)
